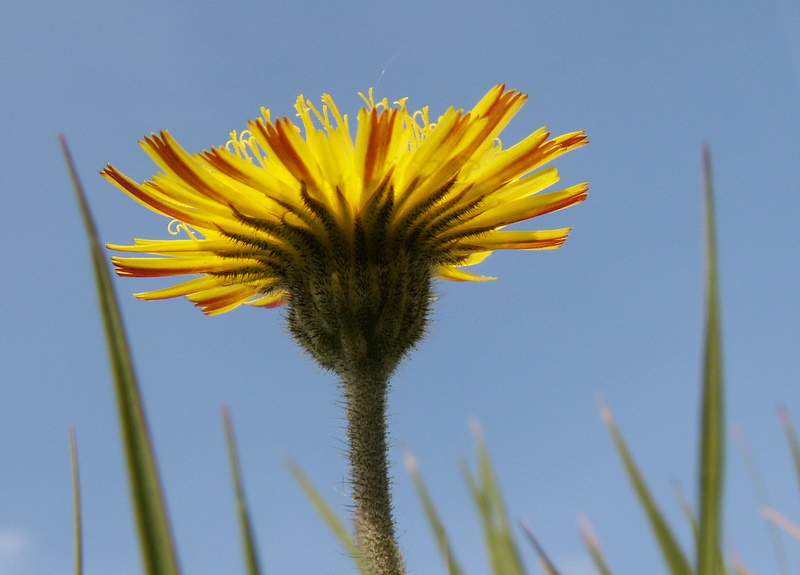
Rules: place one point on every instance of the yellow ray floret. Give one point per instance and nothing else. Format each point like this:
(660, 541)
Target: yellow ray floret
(280, 196)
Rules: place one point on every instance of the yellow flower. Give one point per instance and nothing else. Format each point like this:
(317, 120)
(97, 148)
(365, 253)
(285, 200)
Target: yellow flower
(278, 202)
(349, 234)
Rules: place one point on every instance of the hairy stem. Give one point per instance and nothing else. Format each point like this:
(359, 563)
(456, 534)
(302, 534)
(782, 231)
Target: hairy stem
(366, 399)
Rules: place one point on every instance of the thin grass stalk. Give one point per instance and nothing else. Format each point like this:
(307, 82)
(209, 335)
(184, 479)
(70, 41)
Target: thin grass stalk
(453, 568)
(791, 437)
(242, 511)
(763, 500)
(76, 502)
(329, 516)
(155, 539)
(670, 549)
(548, 566)
(503, 554)
(593, 544)
(712, 443)
(782, 522)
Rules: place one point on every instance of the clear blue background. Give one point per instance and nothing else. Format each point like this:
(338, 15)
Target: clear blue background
(616, 312)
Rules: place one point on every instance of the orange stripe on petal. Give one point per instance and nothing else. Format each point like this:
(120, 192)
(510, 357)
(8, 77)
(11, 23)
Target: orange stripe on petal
(151, 200)
(512, 163)
(520, 240)
(377, 128)
(221, 299)
(265, 183)
(271, 301)
(163, 267)
(182, 289)
(499, 113)
(290, 149)
(184, 167)
(522, 187)
(527, 208)
(527, 160)
(420, 164)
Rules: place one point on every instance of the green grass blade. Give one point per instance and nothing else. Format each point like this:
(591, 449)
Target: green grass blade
(688, 512)
(782, 522)
(503, 554)
(437, 527)
(548, 566)
(158, 555)
(740, 568)
(245, 524)
(763, 500)
(593, 545)
(692, 519)
(791, 436)
(330, 517)
(673, 555)
(76, 502)
(712, 442)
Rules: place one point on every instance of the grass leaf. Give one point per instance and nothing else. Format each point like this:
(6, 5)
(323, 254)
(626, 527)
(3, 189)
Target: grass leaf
(245, 524)
(330, 517)
(782, 522)
(673, 555)
(791, 436)
(503, 555)
(712, 443)
(437, 527)
(688, 512)
(76, 502)
(762, 496)
(593, 544)
(158, 555)
(548, 566)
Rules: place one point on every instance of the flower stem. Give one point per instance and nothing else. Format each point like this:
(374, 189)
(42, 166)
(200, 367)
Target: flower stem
(366, 399)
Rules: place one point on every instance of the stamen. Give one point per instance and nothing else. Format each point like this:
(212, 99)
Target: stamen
(341, 121)
(174, 228)
(368, 100)
(303, 106)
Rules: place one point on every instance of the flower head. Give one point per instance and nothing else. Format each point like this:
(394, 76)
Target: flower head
(352, 229)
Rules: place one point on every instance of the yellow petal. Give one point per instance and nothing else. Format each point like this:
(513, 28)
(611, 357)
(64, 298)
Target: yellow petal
(169, 266)
(519, 240)
(275, 299)
(526, 208)
(173, 246)
(221, 299)
(182, 289)
(455, 274)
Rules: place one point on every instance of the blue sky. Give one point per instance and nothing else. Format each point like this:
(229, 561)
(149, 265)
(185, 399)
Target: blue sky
(617, 312)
